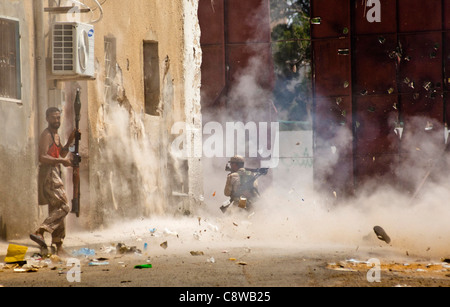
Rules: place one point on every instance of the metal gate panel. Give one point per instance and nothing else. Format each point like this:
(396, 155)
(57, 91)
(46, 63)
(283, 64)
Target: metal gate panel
(332, 115)
(432, 108)
(447, 59)
(333, 151)
(248, 21)
(420, 69)
(254, 60)
(333, 172)
(332, 67)
(388, 15)
(330, 20)
(422, 118)
(420, 15)
(211, 20)
(376, 168)
(213, 74)
(334, 177)
(447, 14)
(374, 70)
(375, 122)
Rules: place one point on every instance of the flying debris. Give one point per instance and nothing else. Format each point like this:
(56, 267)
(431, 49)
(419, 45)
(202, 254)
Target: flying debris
(381, 234)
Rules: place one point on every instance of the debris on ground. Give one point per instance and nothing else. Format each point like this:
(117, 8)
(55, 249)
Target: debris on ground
(55, 259)
(28, 264)
(213, 227)
(143, 266)
(15, 253)
(196, 235)
(163, 245)
(121, 248)
(381, 234)
(170, 232)
(352, 265)
(108, 249)
(197, 253)
(84, 252)
(25, 270)
(96, 262)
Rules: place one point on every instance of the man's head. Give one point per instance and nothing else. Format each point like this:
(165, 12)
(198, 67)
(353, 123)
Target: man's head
(236, 163)
(53, 116)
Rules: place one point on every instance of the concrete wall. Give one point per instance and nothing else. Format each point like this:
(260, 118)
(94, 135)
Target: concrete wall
(127, 168)
(128, 163)
(18, 135)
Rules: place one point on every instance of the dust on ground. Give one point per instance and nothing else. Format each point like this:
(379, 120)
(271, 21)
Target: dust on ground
(237, 249)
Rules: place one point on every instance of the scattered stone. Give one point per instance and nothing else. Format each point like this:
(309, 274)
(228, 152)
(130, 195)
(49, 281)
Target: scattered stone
(381, 234)
(197, 253)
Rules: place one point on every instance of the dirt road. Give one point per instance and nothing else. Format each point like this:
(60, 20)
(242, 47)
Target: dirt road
(201, 254)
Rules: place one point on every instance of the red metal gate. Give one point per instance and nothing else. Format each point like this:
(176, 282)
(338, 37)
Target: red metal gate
(370, 79)
(388, 75)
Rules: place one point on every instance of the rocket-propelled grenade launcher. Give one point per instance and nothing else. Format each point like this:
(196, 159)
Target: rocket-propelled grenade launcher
(76, 158)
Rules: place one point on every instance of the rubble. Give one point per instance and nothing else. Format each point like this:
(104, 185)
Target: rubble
(97, 262)
(25, 270)
(121, 248)
(84, 252)
(197, 253)
(15, 253)
(352, 265)
(381, 234)
(143, 266)
(169, 232)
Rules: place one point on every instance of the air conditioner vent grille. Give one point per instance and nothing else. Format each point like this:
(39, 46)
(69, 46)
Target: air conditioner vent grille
(63, 51)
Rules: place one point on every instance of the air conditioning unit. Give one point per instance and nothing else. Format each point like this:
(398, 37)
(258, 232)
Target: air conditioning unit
(73, 49)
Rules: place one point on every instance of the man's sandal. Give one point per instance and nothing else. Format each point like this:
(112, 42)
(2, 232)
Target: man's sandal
(39, 240)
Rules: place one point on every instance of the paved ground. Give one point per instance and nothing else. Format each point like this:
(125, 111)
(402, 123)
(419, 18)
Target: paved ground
(232, 251)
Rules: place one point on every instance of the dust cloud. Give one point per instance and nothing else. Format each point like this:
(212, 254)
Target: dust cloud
(286, 216)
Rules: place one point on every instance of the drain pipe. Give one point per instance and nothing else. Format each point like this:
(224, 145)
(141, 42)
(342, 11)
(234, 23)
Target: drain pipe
(41, 68)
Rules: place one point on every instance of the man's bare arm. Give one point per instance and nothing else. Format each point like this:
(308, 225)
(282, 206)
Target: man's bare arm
(65, 149)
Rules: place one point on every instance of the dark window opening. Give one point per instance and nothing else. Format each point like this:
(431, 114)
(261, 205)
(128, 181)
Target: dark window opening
(10, 78)
(151, 78)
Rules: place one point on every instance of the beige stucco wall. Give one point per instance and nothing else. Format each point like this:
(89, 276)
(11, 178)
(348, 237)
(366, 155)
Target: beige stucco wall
(130, 169)
(127, 168)
(18, 132)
